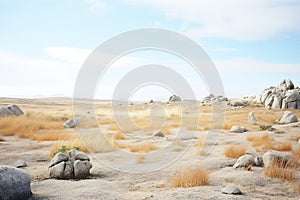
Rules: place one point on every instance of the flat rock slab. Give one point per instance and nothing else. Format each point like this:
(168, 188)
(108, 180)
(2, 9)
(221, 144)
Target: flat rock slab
(231, 189)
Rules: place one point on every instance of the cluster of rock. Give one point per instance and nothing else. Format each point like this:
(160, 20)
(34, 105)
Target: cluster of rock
(283, 96)
(14, 183)
(71, 123)
(266, 160)
(10, 110)
(216, 99)
(75, 165)
(174, 98)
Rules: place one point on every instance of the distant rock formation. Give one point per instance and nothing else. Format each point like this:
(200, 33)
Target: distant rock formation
(10, 110)
(283, 96)
(174, 98)
(213, 98)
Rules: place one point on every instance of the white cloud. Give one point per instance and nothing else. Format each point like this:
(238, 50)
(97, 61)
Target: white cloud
(233, 19)
(95, 5)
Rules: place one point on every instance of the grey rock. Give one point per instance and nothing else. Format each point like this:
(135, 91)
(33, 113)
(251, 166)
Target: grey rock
(20, 163)
(244, 161)
(231, 189)
(15, 110)
(71, 123)
(82, 169)
(275, 156)
(277, 103)
(251, 117)
(78, 155)
(237, 129)
(158, 134)
(14, 183)
(259, 161)
(4, 111)
(58, 158)
(287, 118)
(236, 103)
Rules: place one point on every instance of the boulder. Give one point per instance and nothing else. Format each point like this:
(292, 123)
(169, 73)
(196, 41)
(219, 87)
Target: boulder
(259, 161)
(287, 118)
(14, 183)
(174, 98)
(237, 129)
(244, 161)
(251, 117)
(275, 156)
(74, 165)
(158, 134)
(20, 164)
(10, 110)
(236, 103)
(231, 189)
(71, 123)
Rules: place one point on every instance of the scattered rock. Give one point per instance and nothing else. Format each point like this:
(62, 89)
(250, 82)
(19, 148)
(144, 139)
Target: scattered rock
(231, 189)
(284, 96)
(238, 129)
(158, 134)
(275, 156)
(287, 118)
(213, 98)
(74, 165)
(236, 103)
(151, 101)
(14, 183)
(251, 117)
(259, 161)
(71, 123)
(20, 164)
(10, 110)
(174, 98)
(244, 161)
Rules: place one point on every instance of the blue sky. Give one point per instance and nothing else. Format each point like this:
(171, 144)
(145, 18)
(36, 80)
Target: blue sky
(253, 43)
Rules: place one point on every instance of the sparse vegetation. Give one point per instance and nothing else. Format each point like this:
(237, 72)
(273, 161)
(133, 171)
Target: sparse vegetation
(285, 146)
(190, 177)
(143, 147)
(264, 127)
(234, 151)
(263, 142)
(280, 170)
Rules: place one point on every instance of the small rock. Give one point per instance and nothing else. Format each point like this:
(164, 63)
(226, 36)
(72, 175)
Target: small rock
(251, 117)
(287, 118)
(275, 156)
(244, 161)
(174, 98)
(20, 164)
(78, 155)
(237, 129)
(151, 101)
(71, 123)
(259, 161)
(14, 183)
(158, 134)
(231, 189)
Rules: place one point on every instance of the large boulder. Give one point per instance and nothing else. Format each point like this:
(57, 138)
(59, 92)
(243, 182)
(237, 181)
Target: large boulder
(10, 110)
(287, 118)
(14, 183)
(275, 156)
(174, 98)
(244, 161)
(74, 165)
(71, 123)
(284, 96)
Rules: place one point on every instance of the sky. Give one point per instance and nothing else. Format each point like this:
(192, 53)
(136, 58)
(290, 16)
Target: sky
(43, 44)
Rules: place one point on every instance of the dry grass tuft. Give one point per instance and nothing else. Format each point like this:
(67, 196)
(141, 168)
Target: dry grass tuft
(119, 135)
(280, 170)
(263, 141)
(143, 147)
(190, 177)
(234, 151)
(296, 155)
(286, 146)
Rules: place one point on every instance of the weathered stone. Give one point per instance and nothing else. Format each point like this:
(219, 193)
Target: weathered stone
(275, 156)
(174, 98)
(4, 111)
(71, 123)
(14, 183)
(59, 157)
(237, 129)
(158, 134)
(15, 110)
(259, 161)
(251, 117)
(78, 155)
(231, 189)
(20, 163)
(244, 161)
(82, 169)
(236, 103)
(287, 117)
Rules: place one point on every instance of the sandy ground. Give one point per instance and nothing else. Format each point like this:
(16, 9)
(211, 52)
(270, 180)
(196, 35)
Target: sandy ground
(107, 183)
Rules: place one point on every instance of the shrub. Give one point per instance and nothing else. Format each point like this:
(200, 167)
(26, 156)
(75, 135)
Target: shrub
(281, 170)
(190, 177)
(234, 151)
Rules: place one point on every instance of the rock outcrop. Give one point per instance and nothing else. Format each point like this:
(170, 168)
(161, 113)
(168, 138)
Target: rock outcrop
(75, 165)
(215, 99)
(14, 183)
(284, 96)
(71, 123)
(10, 110)
(275, 156)
(244, 161)
(174, 98)
(287, 118)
